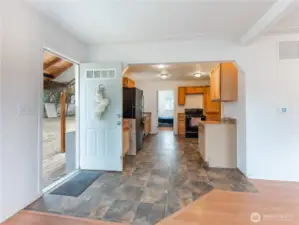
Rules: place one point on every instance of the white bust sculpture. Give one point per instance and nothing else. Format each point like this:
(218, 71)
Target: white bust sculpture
(101, 102)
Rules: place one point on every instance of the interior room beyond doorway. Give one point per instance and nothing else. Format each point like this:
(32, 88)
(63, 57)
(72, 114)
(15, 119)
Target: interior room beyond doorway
(165, 109)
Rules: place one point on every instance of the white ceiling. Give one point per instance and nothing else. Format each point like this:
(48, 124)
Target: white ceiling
(178, 71)
(289, 24)
(126, 21)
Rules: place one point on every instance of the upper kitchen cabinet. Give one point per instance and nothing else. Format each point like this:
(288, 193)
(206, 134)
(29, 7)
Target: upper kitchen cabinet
(194, 90)
(211, 106)
(181, 95)
(224, 83)
(127, 82)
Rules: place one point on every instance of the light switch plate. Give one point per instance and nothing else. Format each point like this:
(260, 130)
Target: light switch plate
(24, 110)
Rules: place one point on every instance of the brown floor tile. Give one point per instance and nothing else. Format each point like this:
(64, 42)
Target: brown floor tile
(166, 174)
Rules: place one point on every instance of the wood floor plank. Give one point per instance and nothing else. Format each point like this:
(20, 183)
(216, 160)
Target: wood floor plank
(40, 218)
(218, 207)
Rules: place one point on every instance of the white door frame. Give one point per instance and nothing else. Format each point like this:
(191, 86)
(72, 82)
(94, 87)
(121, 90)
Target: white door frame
(41, 125)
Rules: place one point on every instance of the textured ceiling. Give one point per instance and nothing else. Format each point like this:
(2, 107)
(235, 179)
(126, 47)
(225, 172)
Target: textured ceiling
(289, 24)
(180, 71)
(126, 21)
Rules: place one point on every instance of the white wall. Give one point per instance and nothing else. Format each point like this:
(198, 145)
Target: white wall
(25, 33)
(1, 158)
(238, 110)
(150, 91)
(268, 140)
(163, 98)
(193, 101)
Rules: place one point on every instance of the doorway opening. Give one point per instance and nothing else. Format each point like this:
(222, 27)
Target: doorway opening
(165, 110)
(59, 119)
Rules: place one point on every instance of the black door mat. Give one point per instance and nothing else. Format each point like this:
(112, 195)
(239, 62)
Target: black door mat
(78, 184)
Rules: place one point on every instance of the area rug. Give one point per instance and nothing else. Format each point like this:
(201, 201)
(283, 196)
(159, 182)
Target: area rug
(77, 184)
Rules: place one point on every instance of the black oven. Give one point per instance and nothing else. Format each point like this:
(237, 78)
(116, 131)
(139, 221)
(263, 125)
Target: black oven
(192, 116)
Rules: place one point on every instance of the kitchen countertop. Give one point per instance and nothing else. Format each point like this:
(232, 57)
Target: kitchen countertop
(223, 121)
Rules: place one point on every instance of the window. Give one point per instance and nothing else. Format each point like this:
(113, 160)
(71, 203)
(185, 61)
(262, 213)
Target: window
(169, 105)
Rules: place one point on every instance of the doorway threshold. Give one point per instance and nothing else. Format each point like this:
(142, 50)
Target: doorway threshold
(60, 181)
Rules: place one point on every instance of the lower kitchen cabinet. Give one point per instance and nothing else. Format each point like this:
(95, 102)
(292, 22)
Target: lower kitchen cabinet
(147, 125)
(126, 137)
(181, 124)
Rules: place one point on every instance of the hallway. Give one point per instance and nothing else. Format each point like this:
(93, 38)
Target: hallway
(164, 177)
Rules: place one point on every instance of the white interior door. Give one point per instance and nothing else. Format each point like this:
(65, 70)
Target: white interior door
(101, 139)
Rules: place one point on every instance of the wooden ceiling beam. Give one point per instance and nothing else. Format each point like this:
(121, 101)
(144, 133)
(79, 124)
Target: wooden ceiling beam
(48, 76)
(58, 68)
(66, 65)
(51, 62)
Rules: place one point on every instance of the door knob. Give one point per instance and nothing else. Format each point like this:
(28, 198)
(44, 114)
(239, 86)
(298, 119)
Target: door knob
(118, 123)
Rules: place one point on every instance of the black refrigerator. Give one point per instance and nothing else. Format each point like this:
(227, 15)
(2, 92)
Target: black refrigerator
(133, 105)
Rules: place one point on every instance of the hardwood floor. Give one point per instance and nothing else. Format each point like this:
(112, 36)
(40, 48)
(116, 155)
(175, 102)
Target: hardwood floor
(39, 218)
(165, 128)
(276, 203)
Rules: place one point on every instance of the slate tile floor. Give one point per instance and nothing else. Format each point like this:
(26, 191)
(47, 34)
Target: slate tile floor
(164, 177)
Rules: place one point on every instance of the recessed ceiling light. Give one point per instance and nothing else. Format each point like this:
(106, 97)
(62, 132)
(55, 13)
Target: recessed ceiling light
(197, 74)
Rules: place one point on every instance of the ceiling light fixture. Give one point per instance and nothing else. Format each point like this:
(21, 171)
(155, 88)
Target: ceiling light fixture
(161, 66)
(197, 75)
(164, 75)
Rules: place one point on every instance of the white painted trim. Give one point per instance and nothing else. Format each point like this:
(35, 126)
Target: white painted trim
(62, 56)
(274, 14)
(40, 126)
(1, 147)
(174, 106)
(40, 122)
(77, 103)
(60, 181)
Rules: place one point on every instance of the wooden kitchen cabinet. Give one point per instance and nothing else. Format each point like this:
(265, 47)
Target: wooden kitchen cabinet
(210, 106)
(201, 140)
(190, 90)
(200, 90)
(224, 83)
(126, 137)
(181, 95)
(147, 126)
(194, 90)
(127, 82)
(181, 125)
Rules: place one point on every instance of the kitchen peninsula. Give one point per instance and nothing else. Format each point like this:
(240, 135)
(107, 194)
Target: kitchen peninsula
(218, 142)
